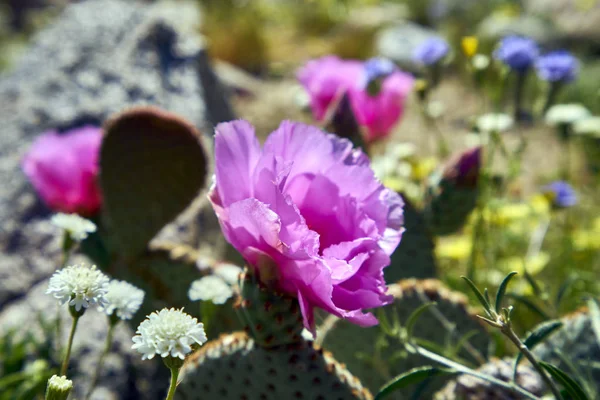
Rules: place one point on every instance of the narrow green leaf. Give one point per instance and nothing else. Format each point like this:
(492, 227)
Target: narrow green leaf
(486, 294)
(486, 305)
(412, 319)
(534, 286)
(537, 336)
(411, 377)
(595, 316)
(564, 288)
(529, 304)
(502, 290)
(463, 340)
(571, 386)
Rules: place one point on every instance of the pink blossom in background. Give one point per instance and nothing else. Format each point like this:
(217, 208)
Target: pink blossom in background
(308, 214)
(326, 78)
(380, 113)
(63, 169)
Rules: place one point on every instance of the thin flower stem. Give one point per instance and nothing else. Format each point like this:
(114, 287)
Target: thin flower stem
(65, 364)
(512, 336)
(465, 370)
(107, 345)
(173, 386)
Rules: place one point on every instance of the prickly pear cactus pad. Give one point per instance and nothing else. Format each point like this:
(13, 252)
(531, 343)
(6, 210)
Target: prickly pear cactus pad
(234, 367)
(414, 257)
(271, 319)
(152, 165)
(375, 358)
(452, 193)
(468, 387)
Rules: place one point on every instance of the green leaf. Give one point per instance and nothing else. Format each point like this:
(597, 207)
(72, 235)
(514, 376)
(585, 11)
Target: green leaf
(571, 386)
(595, 317)
(563, 290)
(502, 290)
(534, 286)
(529, 304)
(537, 336)
(412, 319)
(411, 377)
(486, 305)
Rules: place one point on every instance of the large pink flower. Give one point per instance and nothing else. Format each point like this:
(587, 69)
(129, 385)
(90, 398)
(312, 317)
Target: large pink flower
(325, 79)
(63, 169)
(308, 214)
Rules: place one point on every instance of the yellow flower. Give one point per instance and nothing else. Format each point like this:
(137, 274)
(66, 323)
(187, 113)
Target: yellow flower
(422, 168)
(457, 248)
(469, 45)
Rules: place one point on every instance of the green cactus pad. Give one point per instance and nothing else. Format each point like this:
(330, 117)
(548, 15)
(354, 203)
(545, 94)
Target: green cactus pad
(272, 319)
(577, 343)
(447, 207)
(376, 358)
(469, 387)
(234, 367)
(164, 273)
(414, 257)
(152, 165)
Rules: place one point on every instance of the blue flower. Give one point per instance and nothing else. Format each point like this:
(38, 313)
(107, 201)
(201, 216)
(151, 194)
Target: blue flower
(377, 68)
(561, 194)
(431, 51)
(557, 66)
(518, 52)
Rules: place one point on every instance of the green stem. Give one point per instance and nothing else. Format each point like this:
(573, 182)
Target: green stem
(465, 370)
(511, 335)
(173, 386)
(65, 364)
(107, 345)
(519, 89)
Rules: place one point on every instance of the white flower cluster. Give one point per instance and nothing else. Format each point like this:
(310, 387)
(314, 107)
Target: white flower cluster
(494, 122)
(123, 298)
(217, 288)
(169, 332)
(77, 227)
(79, 285)
(60, 383)
(561, 114)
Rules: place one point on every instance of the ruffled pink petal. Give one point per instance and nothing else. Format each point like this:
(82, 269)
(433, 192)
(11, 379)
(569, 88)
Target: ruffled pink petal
(237, 152)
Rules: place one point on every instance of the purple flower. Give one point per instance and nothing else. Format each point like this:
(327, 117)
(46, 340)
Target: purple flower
(561, 194)
(307, 213)
(327, 78)
(518, 52)
(557, 66)
(63, 169)
(464, 169)
(431, 51)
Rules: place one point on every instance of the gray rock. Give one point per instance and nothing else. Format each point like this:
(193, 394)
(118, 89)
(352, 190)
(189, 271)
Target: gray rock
(97, 58)
(399, 42)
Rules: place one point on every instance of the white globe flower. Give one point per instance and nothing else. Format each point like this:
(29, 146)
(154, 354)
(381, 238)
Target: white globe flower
(588, 126)
(77, 227)
(79, 285)
(561, 114)
(494, 122)
(229, 272)
(168, 332)
(210, 288)
(123, 299)
(59, 387)
(480, 61)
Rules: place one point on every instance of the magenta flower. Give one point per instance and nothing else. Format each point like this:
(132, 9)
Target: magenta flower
(308, 215)
(327, 78)
(63, 169)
